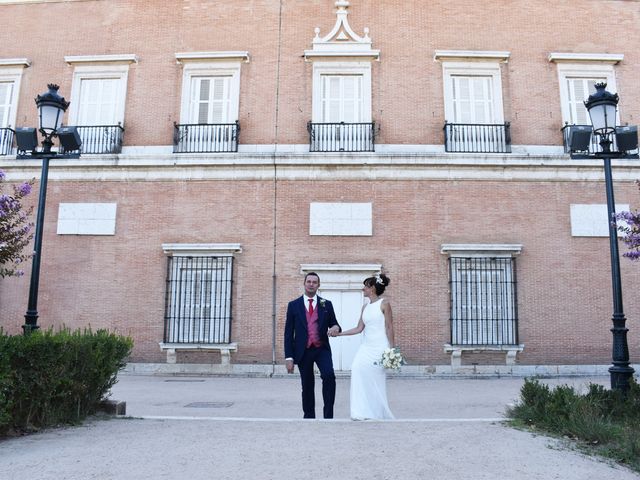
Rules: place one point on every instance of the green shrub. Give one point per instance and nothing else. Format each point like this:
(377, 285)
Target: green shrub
(52, 378)
(603, 420)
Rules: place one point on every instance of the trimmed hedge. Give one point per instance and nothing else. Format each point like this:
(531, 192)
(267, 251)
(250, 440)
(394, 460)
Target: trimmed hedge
(49, 378)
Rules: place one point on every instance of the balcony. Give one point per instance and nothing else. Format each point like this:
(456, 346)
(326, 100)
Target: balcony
(206, 138)
(477, 138)
(100, 139)
(341, 137)
(6, 141)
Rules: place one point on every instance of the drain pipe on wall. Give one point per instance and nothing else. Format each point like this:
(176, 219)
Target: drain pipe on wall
(274, 297)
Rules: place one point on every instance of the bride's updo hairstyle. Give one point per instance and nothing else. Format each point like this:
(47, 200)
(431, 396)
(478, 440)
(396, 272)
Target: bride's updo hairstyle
(380, 281)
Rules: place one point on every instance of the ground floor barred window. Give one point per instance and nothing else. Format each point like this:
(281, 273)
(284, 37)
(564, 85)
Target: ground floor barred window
(483, 307)
(198, 305)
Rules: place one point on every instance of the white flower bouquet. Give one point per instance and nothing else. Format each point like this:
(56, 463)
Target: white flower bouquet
(392, 359)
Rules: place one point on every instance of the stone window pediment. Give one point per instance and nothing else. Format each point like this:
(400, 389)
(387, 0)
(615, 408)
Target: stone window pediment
(342, 42)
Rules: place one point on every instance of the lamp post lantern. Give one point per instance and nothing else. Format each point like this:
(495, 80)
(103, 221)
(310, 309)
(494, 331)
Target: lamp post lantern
(602, 106)
(51, 108)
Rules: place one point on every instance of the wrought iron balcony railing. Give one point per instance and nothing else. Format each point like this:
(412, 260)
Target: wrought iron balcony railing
(100, 139)
(477, 138)
(206, 138)
(6, 141)
(341, 137)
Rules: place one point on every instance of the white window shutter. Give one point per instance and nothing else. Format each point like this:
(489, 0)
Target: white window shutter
(342, 99)
(472, 99)
(98, 101)
(6, 92)
(579, 90)
(210, 100)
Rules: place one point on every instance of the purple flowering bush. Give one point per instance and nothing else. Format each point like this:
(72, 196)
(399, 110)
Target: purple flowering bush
(16, 231)
(631, 229)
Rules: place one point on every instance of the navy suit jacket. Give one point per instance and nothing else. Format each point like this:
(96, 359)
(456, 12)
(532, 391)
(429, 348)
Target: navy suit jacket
(295, 329)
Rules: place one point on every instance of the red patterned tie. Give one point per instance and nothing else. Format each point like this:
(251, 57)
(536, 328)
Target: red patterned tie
(311, 306)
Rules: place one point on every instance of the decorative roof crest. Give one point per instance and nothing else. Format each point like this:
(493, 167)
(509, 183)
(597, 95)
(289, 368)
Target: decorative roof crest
(342, 41)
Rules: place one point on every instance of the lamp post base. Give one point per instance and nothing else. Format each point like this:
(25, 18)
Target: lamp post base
(621, 377)
(30, 323)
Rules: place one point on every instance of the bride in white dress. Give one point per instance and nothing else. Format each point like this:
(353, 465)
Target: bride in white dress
(368, 377)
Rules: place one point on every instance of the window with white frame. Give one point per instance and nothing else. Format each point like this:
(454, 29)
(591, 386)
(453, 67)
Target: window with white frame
(341, 93)
(198, 301)
(210, 104)
(211, 100)
(577, 76)
(483, 295)
(98, 98)
(472, 86)
(473, 107)
(10, 76)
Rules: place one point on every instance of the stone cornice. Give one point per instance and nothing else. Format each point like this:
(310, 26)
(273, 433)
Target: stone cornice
(326, 167)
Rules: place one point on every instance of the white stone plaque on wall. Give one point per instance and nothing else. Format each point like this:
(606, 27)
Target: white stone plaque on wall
(340, 219)
(592, 220)
(87, 219)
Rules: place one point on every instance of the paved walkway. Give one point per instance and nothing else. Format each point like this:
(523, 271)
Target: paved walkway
(250, 428)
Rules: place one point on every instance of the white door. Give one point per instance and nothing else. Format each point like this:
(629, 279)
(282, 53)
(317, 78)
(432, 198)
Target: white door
(347, 305)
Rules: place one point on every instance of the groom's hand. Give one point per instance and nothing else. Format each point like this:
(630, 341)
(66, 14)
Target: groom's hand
(333, 331)
(289, 364)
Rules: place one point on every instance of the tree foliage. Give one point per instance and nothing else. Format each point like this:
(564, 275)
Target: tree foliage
(631, 229)
(16, 231)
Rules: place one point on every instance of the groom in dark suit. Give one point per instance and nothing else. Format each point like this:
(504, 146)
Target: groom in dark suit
(310, 322)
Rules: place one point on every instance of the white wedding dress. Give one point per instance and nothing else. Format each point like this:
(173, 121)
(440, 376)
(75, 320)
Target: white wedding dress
(368, 377)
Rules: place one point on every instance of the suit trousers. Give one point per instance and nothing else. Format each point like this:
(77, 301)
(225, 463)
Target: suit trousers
(320, 356)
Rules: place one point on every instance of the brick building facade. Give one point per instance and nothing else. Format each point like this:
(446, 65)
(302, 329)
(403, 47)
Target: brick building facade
(229, 147)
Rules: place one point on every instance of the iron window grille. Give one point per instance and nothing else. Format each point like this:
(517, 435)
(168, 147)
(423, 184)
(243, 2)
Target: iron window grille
(483, 301)
(477, 138)
(198, 300)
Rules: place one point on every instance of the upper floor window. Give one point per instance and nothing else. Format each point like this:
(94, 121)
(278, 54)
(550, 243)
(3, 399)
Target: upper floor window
(577, 75)
(341, 110)
(473, 108)
(10, 76)
(98, 98)
(209, 113)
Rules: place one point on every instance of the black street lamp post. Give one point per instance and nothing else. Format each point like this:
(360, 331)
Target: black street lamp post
(51, 108)
(602, 107)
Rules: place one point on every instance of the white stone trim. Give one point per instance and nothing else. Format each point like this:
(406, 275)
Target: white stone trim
(225, 350)
(456, 351)
(201, 249)
(612, 58)
(341, 276)
(481, 249)
(483, 55)
(114, 58)
(15, 62)
(237, 56)
(333, 167)
(342, 41)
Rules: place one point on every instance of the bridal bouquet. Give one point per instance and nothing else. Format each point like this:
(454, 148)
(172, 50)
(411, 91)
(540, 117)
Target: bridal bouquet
(392, 359)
